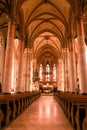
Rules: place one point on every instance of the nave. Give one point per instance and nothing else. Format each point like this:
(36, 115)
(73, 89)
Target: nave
(44, 114)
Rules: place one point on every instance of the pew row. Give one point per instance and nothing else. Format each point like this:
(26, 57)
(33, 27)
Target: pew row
(12, 105)
(74, 107)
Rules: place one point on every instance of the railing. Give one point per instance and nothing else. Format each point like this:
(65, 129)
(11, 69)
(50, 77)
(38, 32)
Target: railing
(12, 105)
(75, 108)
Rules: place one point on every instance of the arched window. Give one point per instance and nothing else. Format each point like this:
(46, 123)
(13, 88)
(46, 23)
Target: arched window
(47, 72)
(41, 71)
(54, 72)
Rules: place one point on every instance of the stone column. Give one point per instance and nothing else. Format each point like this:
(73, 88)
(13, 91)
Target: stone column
(2, 54)
(39, 72)
(59, 85)
(57, 75)
(73, 66)
(69, 71)
(81, 56)
(44, 75)
(27, 70)
(34, 65)
(20, 68)
(8, 71)
(61, 75)
(51, 75)
(31, 71)
(66, 57)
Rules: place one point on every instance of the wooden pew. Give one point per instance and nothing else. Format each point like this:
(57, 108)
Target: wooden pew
(12, 105)
(75, 108)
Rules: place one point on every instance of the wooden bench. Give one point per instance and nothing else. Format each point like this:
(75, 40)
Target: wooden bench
(12, 105)
(75, 108)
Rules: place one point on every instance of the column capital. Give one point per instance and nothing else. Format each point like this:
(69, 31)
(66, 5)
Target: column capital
(12, 19)
(80, 26)
(71, 45)
(79, 17)
(64, 49)
(22, 37)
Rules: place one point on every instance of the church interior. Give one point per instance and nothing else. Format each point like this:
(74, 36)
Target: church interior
(43, 58)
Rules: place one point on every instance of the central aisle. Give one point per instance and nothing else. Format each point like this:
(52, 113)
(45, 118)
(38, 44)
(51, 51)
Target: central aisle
(43, 114)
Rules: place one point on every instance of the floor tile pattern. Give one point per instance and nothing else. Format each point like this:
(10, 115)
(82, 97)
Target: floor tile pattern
(44, 114)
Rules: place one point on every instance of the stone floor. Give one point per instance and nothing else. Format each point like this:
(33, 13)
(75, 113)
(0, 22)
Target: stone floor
(44, 114)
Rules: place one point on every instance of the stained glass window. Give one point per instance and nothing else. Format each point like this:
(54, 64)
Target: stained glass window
(41, 71)
(54, 72)
(47, 72)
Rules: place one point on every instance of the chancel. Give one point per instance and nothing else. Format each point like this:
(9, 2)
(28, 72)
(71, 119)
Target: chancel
(43, 64)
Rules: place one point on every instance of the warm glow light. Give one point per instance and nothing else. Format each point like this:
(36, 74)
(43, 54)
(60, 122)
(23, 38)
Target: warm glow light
(47, 84)
(46, 109)
(44, 85)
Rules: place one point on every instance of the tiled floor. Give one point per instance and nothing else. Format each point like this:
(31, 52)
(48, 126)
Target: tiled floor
(43, 114)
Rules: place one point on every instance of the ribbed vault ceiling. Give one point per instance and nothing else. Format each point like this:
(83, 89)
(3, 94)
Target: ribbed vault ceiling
(45, 24)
